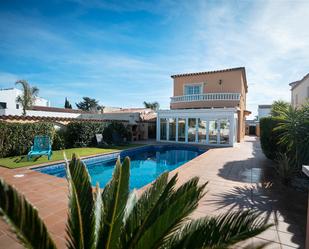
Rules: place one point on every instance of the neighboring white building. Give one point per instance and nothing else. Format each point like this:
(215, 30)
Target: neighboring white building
(263, 111)
(9, 106)
(300, 91)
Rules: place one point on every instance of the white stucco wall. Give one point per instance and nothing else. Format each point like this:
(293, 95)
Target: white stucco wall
(9, 97)
(300, 94)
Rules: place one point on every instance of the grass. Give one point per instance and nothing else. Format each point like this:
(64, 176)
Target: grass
(21, 161)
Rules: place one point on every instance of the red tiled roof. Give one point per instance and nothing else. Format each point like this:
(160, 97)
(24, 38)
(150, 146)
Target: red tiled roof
(296, 83)
(53, 119)
(55, 109)
(243, 69)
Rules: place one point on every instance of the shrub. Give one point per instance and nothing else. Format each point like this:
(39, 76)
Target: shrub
(285, 168)
(59, 140)
(269, 138)
(116, 129)
(17, 138)
(82, 134)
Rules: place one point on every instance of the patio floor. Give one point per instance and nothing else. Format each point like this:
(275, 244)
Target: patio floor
(239, 178)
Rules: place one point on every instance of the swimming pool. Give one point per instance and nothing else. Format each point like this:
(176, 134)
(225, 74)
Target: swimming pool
(147, 163)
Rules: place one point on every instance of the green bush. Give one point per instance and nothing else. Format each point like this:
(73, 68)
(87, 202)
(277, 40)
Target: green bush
(116, 129)
(82, 134)
(59, 140)
(269, 138)
(17, 138)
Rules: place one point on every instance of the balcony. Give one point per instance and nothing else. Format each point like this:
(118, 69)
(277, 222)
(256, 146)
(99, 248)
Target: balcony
(206, 97)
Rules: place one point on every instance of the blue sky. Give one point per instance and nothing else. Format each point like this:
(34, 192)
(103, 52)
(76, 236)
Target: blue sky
(123, 52)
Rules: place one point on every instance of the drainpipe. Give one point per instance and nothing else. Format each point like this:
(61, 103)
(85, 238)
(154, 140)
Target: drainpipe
(306, 171)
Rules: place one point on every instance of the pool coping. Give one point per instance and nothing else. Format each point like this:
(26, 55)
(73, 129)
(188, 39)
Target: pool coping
(202, 151)
(83, 157)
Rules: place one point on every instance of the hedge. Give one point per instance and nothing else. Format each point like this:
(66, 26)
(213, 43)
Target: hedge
(269, 138)
(116, 129)
(82, 134)
(17, 138)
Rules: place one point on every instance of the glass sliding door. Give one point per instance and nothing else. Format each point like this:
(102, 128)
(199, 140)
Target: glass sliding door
(181, 129)
(202, 131)
(172, 129)
(191, 129)
(224, 131)
(163, 128)
(213, 131)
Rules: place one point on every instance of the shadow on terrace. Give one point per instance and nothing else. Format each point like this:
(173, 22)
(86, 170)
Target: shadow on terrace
(284, 206)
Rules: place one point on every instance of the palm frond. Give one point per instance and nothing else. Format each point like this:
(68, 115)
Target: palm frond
(81, 221)
(23, 219)
(114, 197)
(165, 215)
(217, 232)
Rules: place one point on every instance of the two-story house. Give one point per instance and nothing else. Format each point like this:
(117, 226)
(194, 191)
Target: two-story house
(206, 108)
(300, 91)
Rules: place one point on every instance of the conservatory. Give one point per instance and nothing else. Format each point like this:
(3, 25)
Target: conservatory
(216, 126)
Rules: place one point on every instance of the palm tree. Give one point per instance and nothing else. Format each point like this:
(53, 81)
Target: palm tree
(115, 218)
(293, 130)
(87, 104)
(277, 107)
(152, 105)
(28, 96)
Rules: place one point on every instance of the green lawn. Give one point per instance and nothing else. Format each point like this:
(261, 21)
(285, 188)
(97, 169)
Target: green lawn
(21, 161)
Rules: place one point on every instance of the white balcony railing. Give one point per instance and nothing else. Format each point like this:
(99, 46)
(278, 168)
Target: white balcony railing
(206, 97)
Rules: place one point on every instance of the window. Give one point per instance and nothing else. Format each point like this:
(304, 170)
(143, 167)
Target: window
(193, 89)
(181, 130)
(3, 105)
(17, 106)
(213, 131)
(163, 125)
(172, 129)
(191, 129)
(202, 131)
(224, 131)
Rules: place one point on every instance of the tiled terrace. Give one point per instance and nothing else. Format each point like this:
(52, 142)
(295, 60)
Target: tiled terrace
(238, 179)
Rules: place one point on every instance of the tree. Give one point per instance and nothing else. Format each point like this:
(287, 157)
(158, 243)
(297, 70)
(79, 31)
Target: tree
(87, 104)
(114, 218)
(67, 104)
(293, 130)
(278, 106)
(27, 98)
(152, 105)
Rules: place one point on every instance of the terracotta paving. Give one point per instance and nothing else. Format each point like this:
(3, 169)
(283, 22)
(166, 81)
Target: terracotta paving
(239, 178)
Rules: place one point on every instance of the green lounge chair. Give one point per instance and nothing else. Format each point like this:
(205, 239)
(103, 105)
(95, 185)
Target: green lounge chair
(41, 146)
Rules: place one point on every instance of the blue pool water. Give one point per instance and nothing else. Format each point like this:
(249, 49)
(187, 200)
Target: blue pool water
(147, 163)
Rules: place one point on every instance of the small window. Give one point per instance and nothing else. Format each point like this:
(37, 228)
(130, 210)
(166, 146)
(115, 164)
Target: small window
(193, 89)
(3, 105)
(17, 106)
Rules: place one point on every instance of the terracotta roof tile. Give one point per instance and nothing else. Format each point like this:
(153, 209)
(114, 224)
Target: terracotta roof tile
(53, 119)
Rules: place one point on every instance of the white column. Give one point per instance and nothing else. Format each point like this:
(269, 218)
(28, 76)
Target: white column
(167, 129)
(158, 128)
(177, 129)
(186, 139)
(207, 131)
(196, 130)
(231, 134)
(218, 132)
